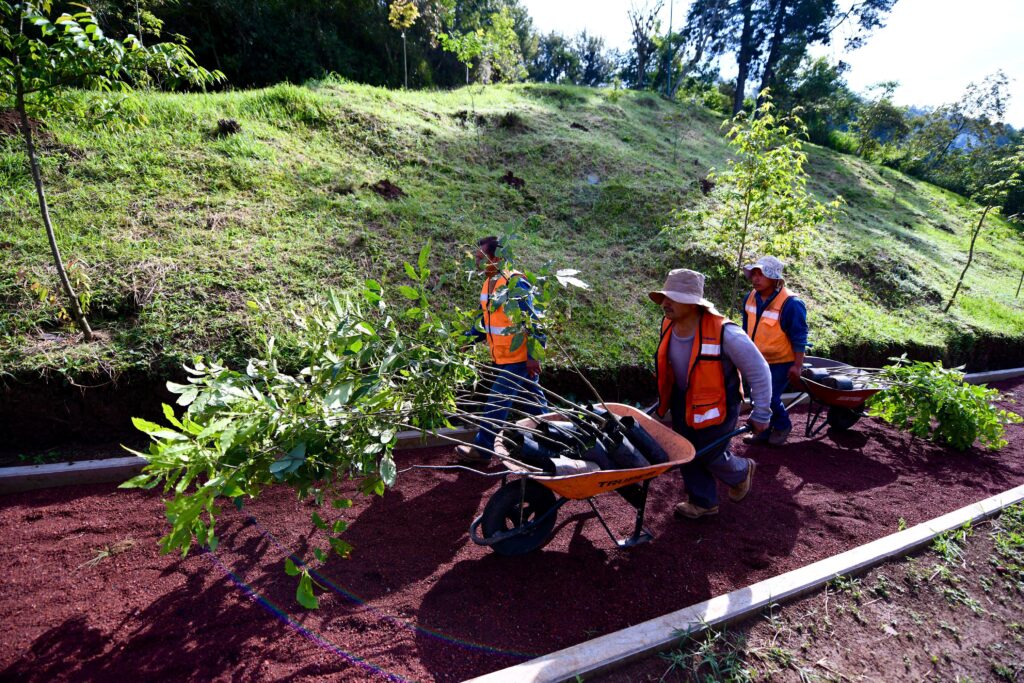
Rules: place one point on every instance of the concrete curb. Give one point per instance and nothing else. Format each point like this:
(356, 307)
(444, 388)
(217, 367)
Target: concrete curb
(664, 632)
(29, 477)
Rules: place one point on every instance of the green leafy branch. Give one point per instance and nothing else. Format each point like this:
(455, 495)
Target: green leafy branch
(369, 368)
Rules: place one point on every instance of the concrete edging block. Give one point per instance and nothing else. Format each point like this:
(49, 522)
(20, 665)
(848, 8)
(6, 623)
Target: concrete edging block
(614, 649)
(30, 477)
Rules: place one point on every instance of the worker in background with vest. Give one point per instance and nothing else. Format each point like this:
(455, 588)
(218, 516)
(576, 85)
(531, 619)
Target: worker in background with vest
(698, 364)
(517, 387)
(776, 320)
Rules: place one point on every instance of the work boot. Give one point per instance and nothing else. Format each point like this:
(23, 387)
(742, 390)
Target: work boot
(692, 511)
(466, 454)
(761, 438)
(779, 436)
(740, 490)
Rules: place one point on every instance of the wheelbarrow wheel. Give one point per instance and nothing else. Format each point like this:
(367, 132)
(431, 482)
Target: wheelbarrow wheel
(519, 505)
(841, 418)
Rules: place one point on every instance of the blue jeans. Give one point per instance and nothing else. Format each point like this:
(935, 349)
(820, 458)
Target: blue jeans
(701, 475)
(780, 380)
(512, 389)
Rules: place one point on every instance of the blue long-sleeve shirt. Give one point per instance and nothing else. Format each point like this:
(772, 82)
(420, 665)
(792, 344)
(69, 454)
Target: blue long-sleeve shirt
(525, 305)
(792, 318)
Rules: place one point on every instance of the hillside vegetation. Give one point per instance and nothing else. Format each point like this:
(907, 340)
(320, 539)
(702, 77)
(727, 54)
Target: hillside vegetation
(175, 229)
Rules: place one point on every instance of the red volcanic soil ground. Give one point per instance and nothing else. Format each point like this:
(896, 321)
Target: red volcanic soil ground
(418, 600)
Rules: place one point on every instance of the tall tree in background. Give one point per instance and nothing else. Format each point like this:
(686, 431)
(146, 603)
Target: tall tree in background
(819, 89)
(502, 57)
(769, 37)
(978, 115)
(747, 47)
(582, 60)
(643, 23)
(556, 60)
(879, 121)
(597, 64)
(701, 34)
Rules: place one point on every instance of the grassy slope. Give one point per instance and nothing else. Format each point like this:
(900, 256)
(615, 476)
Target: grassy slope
(178, 229)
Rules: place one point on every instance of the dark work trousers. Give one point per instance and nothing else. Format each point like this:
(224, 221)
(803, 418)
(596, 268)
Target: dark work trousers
(515, 392)
(780, 380)
(719, 464)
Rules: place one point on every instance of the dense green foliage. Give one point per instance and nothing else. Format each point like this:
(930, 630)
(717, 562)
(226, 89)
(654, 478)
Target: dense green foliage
(262, 42)
(933, 402)
(367, 371)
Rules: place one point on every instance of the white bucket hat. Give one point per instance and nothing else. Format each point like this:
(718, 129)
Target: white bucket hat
(769, 265)
(683, 286)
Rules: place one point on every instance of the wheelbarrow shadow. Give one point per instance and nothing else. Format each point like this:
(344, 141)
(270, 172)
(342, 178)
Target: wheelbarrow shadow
(425, 530)
(497, 610)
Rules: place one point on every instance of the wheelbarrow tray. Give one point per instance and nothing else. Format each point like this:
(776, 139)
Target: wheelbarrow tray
(589, 484)
(845, 406)
(846, 398)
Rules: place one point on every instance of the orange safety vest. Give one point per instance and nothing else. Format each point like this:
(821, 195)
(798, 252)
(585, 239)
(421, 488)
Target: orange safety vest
(496, 323)
(766, 330)
(706, 401)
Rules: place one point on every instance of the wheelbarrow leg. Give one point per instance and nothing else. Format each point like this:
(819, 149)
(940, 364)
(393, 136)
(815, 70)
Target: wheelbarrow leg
(814, 410)
(635, 495)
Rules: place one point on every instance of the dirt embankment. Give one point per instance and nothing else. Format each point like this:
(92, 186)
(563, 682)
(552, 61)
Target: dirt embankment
(40, 414)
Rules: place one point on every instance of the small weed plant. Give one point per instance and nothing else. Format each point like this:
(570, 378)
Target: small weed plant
(932, 402)
(1009, 547)
(710, 657)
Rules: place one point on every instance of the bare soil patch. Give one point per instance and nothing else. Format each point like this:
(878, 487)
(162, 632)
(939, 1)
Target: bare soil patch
(10, 124)
(512, 181)
(387, 189)
(418, 600)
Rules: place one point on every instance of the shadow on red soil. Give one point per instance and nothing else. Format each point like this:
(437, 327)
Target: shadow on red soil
(418, 600)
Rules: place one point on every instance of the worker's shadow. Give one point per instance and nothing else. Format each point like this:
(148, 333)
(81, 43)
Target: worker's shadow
(419, 533)
(498, 610)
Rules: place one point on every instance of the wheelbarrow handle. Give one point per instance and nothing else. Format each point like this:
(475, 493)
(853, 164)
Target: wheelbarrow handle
(742, 430)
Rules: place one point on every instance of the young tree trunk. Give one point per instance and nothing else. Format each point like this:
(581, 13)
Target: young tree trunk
(1019, 284)
(69, 291)
(739, 261)
(745, 56)
(970, 257)
(405, 62)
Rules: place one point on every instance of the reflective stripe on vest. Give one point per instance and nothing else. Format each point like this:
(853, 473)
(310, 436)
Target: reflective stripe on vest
(498, 326)
(706, 401)
(767, 333)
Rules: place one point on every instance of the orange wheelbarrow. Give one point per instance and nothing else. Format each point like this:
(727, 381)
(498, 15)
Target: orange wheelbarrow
(520, 516)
